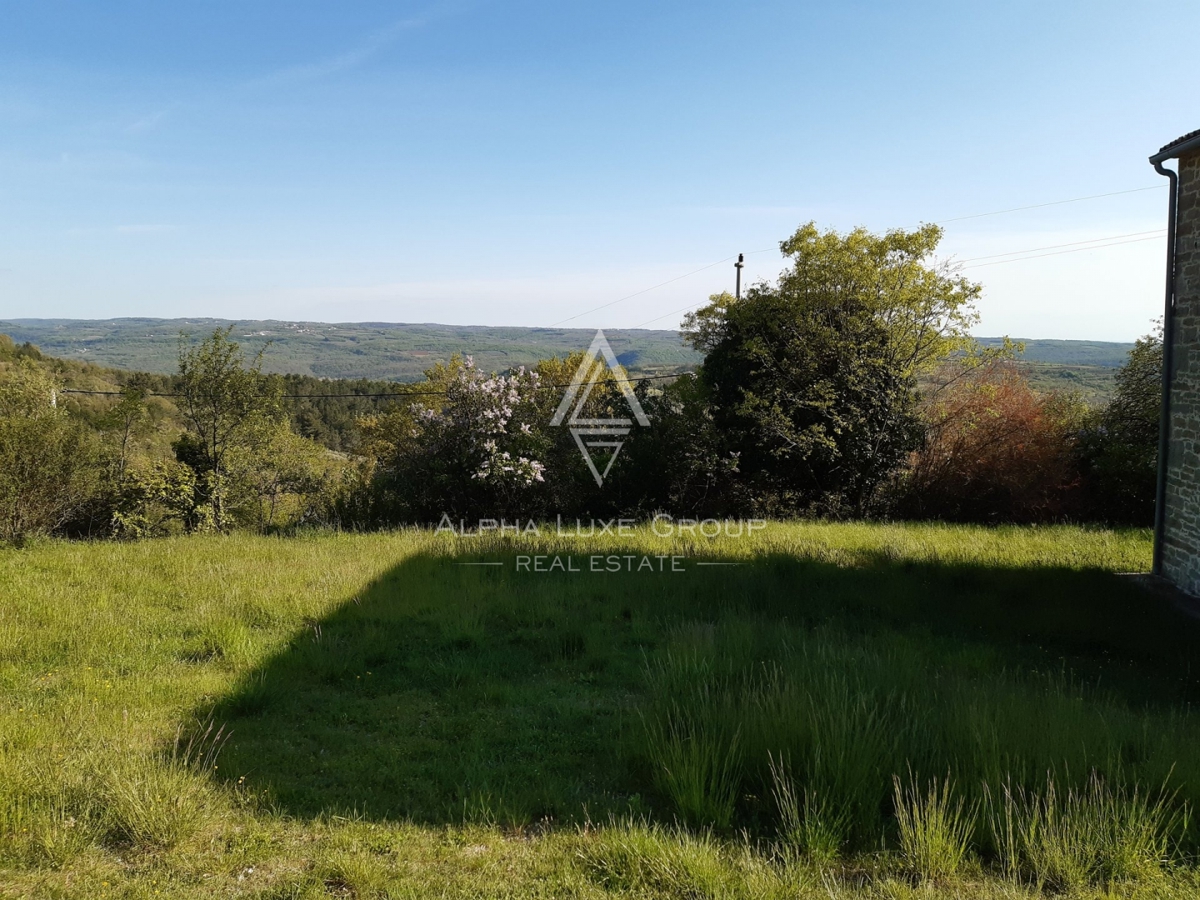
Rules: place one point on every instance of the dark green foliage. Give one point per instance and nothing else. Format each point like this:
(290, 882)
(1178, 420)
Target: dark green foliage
(682, 463)
(332, 421)
(1119, 449)
(813, 381)
(807, 398)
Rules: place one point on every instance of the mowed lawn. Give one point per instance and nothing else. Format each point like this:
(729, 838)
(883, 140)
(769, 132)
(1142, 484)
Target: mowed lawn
(412, 714)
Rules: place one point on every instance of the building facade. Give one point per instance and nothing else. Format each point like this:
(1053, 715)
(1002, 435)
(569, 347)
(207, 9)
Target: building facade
(1177, 526)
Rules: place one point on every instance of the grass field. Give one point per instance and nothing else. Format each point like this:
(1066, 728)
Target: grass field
(832, 711)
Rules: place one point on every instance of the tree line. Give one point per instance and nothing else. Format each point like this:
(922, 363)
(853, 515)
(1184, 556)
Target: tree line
(849, 387)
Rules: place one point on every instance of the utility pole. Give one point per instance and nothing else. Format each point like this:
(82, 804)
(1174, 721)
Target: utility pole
(738, 265)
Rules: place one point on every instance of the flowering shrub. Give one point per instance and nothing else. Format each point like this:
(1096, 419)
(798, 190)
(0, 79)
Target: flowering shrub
(474, 449)
(477, 414)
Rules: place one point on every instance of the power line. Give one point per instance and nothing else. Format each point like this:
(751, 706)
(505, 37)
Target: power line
(1061, 252)
(639, 293)
(690, 305)
(1000, 212)
(1155, 231)
(997, 212)
(281, 397)
(676, 312)
(1135, 236)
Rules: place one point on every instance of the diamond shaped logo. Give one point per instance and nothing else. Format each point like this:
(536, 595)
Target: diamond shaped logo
(602, 437)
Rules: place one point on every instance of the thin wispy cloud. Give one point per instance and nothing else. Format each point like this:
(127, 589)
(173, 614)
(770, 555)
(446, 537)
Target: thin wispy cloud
(147, 123)
(350, 59)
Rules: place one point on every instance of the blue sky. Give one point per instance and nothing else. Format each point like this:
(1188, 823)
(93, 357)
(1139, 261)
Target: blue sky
(525, 162)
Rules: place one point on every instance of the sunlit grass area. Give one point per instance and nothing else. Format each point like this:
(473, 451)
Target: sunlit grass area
(813, 710)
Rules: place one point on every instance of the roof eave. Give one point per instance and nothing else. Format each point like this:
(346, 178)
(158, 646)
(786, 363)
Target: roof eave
(1179, 148)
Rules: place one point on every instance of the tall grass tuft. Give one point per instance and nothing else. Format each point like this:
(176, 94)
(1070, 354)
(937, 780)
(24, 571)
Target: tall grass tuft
(935, 829)
(852, 749)
(155, 803)
(699, 769)
(809, 823)
(1096, 834)
(642, 859)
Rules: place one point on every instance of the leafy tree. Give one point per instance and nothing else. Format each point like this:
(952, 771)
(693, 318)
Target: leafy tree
(223, 401)
(813, 380)
(10, 351)
(680, 464)
(48, 468)
(1120, 448)
(126, 422)
(275, 472)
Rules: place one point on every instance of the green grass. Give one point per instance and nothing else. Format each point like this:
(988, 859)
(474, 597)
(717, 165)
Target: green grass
(934, 829)
(362, 715)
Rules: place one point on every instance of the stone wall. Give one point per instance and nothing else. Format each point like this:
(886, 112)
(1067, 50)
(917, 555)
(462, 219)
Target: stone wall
(1181, 544)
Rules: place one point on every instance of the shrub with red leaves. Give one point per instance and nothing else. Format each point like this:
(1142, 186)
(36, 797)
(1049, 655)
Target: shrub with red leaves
(995, 450)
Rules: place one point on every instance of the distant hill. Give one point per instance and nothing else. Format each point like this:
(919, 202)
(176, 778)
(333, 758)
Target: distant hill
(1087, 368)
(1108, 354)
(398, 352)
(376, 350)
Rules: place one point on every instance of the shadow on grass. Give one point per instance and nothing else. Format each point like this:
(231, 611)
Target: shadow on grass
(444, 692)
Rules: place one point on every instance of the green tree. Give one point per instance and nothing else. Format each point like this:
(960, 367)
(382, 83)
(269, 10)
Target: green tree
(680, 464)
(813, 380)
(1120, 448)
(125, 423)
(223, 400)
(276, 474)
(47, 459)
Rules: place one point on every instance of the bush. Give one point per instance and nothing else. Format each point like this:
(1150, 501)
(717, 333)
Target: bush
(994, 450)
(1120, 446)
(48, 462)
(153, 499)
(276, 477)
(683, 463)
(473, 452)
